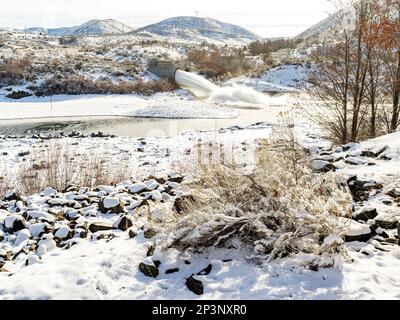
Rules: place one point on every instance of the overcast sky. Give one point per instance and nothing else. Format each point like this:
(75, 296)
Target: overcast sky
(268, 18)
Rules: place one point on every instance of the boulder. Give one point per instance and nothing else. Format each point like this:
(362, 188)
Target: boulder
(206, 271)
(365, 214)
(385, 224)
(132, 234)
(171, 271)
(124, 223)
(358, 232)
(14, 223)
(100, 226)
(64, 233)
(194, 285)
(12, 195)
(137, 188)
(150, 233)
(111, 205)
(149, 270)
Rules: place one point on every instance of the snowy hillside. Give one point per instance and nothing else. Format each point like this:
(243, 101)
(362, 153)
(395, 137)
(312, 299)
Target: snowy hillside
(328, 27)
(200, 29)
(92, 27)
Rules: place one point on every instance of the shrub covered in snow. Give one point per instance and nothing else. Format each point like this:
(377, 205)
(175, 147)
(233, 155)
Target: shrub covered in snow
(281, 208)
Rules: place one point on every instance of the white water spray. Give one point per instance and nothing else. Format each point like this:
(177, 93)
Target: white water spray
(204, 89)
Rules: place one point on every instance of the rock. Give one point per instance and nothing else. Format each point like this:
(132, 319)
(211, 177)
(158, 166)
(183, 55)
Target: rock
(206, 271)
(382, 233)
(150, 251)
(100, 226)
(358, 232)
(365, 214)
(194, 285)
(64, 233)
(111, 205)
(23, 154)
(323, 166)
(22, 236)
(389, 225)
(175, 178)
(137, 188)
(150, 233)
(81, 233)
(171, 271)
(180, 203)
(124, 223)
(394, 193)
(132, 234)
(149, 270)
(32, 260)
(38, 229)
(361, 189)
(14, 223)
(6, 255)
(12, 195)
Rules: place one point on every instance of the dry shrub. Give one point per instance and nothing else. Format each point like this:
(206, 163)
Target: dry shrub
(14, 71)
(280, 208)
(76, 85)
(60, 166)
(216, 64)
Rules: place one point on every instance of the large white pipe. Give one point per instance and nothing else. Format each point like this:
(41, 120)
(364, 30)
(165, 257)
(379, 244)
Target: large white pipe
(197, 85)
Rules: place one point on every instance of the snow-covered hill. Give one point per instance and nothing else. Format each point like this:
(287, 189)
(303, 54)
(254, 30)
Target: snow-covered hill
(329, 27)
(92, 27)
(198, 29)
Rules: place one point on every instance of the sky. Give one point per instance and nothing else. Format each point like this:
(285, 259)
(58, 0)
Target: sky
(268, 18)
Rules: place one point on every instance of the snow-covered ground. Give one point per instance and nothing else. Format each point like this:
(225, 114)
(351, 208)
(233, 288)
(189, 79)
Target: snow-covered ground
(96, 268)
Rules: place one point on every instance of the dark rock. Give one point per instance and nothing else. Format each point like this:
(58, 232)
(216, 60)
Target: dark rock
(18, 224)
(157, 263)
(119, 208)
(328, 168)
(150, 251)
(150, 233)
(389, 225)
(368, 154)
(361, 189)
(194, 285)
(171, 271)
(125, 223)
(12, 195)
(360, 238)
(394, 193)
(176, 178)
(149, 270)
(100, 226)
(387, 202)
(206, 271)
(23, 154)
(365, 215)
(132, 234)
(187, 262)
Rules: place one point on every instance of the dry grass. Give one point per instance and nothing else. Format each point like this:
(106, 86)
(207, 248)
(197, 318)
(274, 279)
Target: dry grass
(14, 71)
(281, 208)
(60, 166)
(75, 85)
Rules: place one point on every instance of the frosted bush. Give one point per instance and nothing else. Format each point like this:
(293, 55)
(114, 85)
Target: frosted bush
(283, 207)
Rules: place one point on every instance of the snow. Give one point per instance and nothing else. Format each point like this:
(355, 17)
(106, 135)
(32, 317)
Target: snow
(63, 232)
(158, 106)
(357, 229)
(110, 202)
(22, 236)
